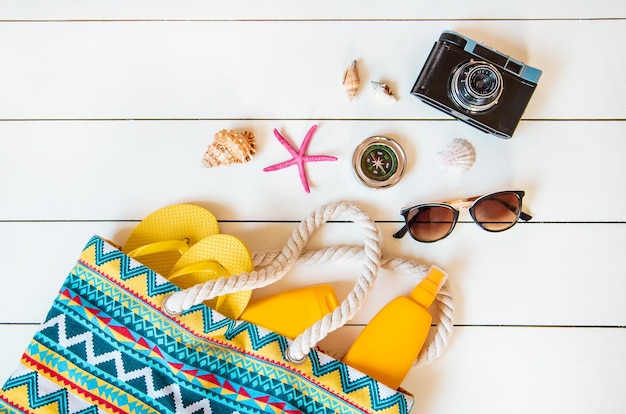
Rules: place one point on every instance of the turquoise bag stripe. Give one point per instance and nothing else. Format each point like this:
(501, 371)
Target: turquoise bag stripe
(189, 392)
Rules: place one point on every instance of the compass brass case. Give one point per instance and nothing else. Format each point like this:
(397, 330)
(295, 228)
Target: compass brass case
(379, 162)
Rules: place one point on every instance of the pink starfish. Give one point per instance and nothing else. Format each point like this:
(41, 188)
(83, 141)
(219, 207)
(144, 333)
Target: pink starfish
(298, 157)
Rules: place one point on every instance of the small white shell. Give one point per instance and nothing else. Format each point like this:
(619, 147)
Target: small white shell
(351, 80)
(459, 156)
(383, 92)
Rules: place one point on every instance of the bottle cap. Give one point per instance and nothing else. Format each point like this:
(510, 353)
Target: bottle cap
(425, 292)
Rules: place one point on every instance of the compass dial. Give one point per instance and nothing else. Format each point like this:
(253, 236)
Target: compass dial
(379, 162)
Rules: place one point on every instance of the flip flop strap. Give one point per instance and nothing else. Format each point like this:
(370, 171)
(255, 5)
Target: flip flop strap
(180, 246)
(283, 262)
(210, 267)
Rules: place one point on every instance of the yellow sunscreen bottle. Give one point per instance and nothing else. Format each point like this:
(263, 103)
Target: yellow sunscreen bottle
(290, 313)
(389, 345)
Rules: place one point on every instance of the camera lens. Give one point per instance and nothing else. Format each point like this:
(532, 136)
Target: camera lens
(476, 86)
(483, 82)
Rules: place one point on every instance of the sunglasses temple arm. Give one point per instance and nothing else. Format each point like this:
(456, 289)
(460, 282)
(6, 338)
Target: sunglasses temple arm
(400, 233)
(525, 216)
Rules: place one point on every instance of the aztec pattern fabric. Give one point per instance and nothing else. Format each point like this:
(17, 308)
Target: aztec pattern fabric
(106, 346)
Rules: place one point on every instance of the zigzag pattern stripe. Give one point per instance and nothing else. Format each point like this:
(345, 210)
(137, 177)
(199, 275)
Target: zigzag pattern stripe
(45, 357)
(10, 407)
(145, 328)
(146, 374)
(59, 400)
(225, 362)
(108, 385)
(223, 391)
(363, 382)
(69, 303)
(34, 399)
(91, 323)
(119, 304)
(234, 328)
(114, 300)
(228, 366)
(194, 382)
(128, 268)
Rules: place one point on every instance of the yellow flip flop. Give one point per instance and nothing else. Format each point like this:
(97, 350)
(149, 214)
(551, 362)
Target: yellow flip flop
(161, 238)
(211, 258)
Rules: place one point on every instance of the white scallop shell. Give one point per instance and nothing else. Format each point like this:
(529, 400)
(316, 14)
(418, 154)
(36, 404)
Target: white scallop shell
(383, 92)
(459, 156)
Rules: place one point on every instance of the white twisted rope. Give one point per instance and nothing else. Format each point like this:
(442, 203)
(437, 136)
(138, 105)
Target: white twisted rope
(445, 305)
(271, 266)
(282, 263)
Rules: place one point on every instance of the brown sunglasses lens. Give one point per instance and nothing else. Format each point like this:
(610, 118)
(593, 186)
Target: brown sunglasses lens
(497, 212)
(431, 223)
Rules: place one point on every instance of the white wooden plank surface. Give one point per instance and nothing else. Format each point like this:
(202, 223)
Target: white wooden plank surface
(285, 69)
(321, 9)
(567, 287)
(565, 167)
(106, 110)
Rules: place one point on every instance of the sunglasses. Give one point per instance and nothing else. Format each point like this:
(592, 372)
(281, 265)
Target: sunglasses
(434, 221)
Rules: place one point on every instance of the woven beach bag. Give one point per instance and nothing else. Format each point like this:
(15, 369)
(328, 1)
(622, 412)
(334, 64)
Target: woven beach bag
(120, 338)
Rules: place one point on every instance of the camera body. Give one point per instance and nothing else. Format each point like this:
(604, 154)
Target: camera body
(476, 84)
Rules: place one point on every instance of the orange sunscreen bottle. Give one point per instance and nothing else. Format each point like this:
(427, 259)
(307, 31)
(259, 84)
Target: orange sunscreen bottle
(389, 345)
(290, 313)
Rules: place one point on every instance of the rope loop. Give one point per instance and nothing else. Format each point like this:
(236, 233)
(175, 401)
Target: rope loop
(271, 266)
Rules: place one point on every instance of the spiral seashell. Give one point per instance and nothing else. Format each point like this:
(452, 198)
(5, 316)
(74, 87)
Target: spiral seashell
(459, 156)
(351, 80)
(383, 92)
(230, 147)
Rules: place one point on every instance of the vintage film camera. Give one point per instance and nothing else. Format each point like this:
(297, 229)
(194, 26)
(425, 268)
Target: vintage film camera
(476, 84)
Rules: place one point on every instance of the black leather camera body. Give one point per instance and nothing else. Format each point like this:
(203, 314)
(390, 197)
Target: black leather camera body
(476, 84)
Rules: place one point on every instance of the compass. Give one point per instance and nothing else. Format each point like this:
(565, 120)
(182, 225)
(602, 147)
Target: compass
(379, 162)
